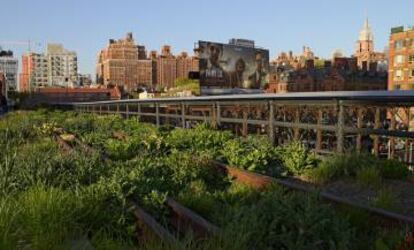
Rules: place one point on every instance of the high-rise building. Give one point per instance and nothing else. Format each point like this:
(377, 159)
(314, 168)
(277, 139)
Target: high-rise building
(57, 67)
(118, 63)
(62, 66)
(364, 49)
(184, 65)
(9, 67)
(34, 72)
(145, 72)
(401, 59)
(166, 68)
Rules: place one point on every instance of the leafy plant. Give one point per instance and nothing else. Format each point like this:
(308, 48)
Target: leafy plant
(297, 159)
(254, 154)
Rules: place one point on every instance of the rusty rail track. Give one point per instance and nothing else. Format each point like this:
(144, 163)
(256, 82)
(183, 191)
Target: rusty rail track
(260, 181)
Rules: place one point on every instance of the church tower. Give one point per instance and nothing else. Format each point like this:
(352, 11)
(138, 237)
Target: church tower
(364, 47)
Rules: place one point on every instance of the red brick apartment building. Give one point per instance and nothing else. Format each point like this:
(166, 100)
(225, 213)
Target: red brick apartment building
(401, 59)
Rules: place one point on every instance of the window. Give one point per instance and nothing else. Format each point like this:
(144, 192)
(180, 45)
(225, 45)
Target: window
(398, 59)
(411, 58)
(412, 42)
(399, 44)
(398, 75)
(412, 73)
(397, 86)
(411, 86)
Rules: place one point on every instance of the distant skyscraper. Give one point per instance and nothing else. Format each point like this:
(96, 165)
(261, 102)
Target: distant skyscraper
(401, 59)
(9, 66)
(364, 49)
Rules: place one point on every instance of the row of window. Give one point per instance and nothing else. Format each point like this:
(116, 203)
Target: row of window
(400, 44)
(398, 86)
(399, 74)
(400, 59)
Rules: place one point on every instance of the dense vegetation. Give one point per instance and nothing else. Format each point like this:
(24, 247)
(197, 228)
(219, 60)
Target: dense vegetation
(54, 199)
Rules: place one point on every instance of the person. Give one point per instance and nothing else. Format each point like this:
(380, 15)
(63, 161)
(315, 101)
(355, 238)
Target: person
(258, 78)
(214, 69)
(235, 78)
(214, 73)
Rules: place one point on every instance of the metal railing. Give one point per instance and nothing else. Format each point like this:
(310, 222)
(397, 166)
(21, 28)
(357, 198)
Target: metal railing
(379, 122)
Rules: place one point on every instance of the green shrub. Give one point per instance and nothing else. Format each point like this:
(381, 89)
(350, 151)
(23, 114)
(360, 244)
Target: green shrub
(370, 177)
(290, 221)
(297, 159)
(254, 153)
(393, 169)
(341, 166)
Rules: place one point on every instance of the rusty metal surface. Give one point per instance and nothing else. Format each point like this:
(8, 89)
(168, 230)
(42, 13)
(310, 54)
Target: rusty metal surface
(185, 220)
(260, 181)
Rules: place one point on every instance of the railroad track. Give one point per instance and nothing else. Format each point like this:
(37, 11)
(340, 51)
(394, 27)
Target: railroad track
(184, 220)
(260, 181)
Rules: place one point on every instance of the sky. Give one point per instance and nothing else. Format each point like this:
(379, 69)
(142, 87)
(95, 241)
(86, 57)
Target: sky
(85, 26)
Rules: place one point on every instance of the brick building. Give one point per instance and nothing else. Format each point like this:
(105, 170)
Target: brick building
(166, 68)
(34, 72)
(56, 67)
(118, 63)
(125, 64)
(340, 75)
(401, 59)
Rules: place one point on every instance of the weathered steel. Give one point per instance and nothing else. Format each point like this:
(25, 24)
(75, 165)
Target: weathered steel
(185, 220)
(314, 118)
(261, 181)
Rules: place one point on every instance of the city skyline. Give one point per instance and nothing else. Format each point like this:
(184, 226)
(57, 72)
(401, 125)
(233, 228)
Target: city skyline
(86, 27)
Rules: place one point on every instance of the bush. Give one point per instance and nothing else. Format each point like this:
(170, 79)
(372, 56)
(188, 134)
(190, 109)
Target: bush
(290, 221)
(255, 154)
(341, 166)
(297, 159)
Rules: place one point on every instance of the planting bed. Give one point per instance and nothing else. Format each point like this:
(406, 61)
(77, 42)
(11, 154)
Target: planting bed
(56, 192)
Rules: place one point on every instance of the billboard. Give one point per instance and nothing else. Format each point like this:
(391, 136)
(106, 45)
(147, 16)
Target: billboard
(229, 68)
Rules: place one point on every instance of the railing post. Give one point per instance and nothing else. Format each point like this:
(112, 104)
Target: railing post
(183, 114)
(157, 114)
(359, 126)
(100, 109)
(138, 112)
(340, 129)
(245, 125)
(108, 109)
(377, 126)
(391, 150)
(407, 142)
(117, 109)
(218, 113)
(296, 131)
(213, 116)
(127, 110)
(271, 129)
(319, 131)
